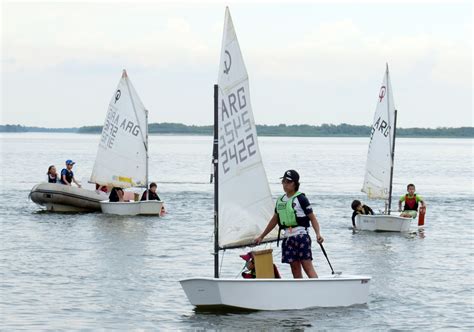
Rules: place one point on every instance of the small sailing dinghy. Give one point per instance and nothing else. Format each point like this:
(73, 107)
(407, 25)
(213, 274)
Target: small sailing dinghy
(122, 156)
(379, 167)
(243, 205)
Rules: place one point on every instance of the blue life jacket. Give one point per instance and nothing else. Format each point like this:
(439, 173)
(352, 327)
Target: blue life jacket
(69, 175)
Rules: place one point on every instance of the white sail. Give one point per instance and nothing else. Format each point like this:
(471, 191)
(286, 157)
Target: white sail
(245, 201)
(379, 157)
(121, 157)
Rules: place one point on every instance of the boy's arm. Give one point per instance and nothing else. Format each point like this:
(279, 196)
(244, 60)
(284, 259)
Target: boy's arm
(402, 199)
(315, 224)
(421, 201)
(370, 210)
(77, 183)
(271, 225)
(63, 177)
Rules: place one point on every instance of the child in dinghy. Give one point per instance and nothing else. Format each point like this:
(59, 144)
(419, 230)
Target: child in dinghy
(249, 267)
(410, 209)
(359, 208)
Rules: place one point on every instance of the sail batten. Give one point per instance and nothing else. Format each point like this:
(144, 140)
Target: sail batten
(377, 180)
(121, 155)
(245, 201)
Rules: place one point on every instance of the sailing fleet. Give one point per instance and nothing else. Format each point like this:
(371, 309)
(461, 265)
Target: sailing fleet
(243, 202)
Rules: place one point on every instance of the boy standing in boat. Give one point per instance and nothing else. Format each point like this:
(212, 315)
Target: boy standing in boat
(411, 200)
(294, 214)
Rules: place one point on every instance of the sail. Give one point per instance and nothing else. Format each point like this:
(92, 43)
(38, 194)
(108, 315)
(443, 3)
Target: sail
(121, 156)
(245, 201)
(379, 157)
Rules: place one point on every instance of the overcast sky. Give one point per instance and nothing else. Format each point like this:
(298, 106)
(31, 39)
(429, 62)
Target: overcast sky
(311, 63)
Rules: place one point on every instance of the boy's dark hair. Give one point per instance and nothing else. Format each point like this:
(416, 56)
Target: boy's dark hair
(297, 186)
(410, 185)
(113, 196)
(355, 204)
(153, 184)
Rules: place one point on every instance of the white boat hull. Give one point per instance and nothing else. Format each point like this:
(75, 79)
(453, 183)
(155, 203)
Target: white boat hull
(383, 223)
(61, 198)
(277, 294)
(152, 207)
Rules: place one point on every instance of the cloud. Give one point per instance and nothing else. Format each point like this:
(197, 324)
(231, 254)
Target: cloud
(341, 50)
(325, 59)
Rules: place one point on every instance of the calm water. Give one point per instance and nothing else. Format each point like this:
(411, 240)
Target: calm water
(89, 271)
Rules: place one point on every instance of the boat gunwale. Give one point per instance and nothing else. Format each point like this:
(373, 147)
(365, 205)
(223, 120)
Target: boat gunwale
(321, 279)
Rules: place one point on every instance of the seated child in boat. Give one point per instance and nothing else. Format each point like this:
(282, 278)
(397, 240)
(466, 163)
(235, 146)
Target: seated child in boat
(67, 175)
(52, 174)
(152, 195)
(359, 208)
(249, 267)
(411, 200)
(116, 195)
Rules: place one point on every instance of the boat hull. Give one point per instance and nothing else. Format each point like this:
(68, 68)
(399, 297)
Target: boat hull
(61, 198)
(151, 208)
(277, 294)
(382, 223)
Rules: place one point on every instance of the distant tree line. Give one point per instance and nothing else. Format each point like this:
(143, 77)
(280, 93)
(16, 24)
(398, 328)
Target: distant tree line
(24, 129)
(325, 130)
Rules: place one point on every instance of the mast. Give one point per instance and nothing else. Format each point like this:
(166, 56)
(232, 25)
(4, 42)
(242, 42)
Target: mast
(215, 162)
(393, 143)
(393, 161)
(146, 150)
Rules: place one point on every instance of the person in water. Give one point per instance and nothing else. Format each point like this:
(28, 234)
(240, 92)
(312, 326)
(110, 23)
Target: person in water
(116, 195)
(151, 193)
(294, 214)
(52, 174)
(412, 200)
(359, 208)
(67, 175)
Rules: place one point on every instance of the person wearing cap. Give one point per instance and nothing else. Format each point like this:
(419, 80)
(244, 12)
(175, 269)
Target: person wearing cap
(67, 175)
(294, 215)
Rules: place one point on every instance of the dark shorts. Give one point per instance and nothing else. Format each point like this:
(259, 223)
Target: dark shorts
(296, 248)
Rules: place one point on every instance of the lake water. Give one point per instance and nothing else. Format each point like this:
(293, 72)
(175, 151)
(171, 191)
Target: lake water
(91, 271)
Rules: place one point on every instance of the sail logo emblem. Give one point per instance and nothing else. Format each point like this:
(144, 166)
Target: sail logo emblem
(227, 69)
(382, 93)
(117, 95)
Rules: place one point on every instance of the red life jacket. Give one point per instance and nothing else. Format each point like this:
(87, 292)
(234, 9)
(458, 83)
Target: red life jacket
(410, 203)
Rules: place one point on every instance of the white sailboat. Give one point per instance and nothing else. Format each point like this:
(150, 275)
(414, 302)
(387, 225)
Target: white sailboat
(379, 167)
(243, 206)
(122, 156)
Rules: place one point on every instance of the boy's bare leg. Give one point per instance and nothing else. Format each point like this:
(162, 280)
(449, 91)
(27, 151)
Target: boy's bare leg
(296, 269)
(309, 268)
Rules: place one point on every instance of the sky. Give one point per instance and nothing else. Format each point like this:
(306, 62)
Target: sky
(308, 62)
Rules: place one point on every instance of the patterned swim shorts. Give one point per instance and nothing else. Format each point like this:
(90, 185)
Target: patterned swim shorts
(296, 248)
